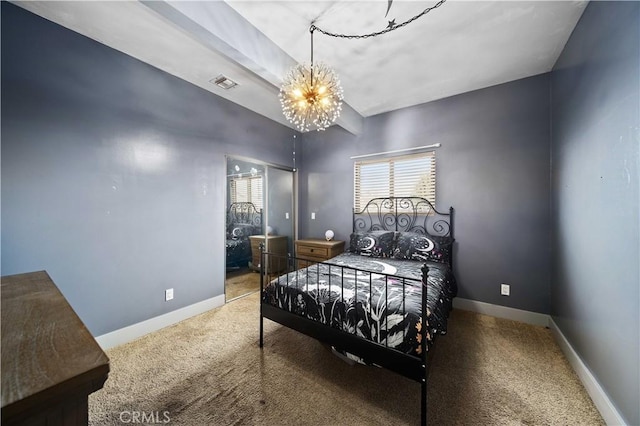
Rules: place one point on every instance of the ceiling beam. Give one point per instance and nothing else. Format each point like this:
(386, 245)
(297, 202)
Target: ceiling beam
(217, 26)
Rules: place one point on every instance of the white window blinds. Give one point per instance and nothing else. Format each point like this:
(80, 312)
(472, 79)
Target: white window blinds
(406, 176)
(247, 189)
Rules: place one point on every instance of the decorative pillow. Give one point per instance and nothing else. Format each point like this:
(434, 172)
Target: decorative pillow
(415, 246)
(241, 231)
(373, 243)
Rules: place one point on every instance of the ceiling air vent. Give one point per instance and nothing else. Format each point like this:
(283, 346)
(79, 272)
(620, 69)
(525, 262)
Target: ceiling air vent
(224, 82)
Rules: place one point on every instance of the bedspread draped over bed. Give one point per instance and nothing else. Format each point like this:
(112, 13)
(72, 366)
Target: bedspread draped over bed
(243, 220)
(238, 252)
(366, 296)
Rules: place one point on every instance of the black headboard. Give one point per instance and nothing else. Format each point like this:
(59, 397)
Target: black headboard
(405, 214)
(244, 212)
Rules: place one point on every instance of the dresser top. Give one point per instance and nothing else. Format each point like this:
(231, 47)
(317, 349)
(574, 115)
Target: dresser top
(46, 348)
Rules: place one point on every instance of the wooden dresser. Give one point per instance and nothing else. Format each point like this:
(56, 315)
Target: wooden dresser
(277, 244)
(50, 361)
(316, 250)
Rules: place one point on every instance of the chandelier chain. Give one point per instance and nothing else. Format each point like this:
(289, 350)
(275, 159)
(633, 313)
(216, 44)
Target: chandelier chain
(311, 31)
(377, 33)
(312, 95)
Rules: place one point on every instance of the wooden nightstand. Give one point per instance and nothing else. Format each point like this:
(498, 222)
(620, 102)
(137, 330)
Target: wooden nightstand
(316, 250)
(277, 245)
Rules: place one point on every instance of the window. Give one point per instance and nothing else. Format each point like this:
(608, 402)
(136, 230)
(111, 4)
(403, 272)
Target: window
(407, 176)
(247, 189)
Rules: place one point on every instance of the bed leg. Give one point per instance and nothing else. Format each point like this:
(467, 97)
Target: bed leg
(261, 318)
(423, 330)
(423, 403)
(261, 329)
(262, 259)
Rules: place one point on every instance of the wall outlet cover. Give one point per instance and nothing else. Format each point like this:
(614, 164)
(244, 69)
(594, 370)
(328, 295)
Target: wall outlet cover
(505, 289)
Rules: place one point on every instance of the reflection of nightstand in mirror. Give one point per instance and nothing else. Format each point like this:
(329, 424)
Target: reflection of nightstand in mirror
(277, 245)
(316, 250)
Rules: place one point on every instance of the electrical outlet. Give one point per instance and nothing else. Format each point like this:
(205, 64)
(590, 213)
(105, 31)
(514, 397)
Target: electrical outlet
(286, 215)
(168, 294)
(313, 216)
(505, 289)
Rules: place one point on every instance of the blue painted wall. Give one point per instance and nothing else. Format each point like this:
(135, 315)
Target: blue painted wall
(493, 167)
(113, 173)
(595, 192)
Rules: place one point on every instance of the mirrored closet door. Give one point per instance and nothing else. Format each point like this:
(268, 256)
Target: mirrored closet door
(260, 210)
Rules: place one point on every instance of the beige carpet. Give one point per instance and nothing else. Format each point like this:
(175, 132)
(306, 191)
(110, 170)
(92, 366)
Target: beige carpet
(209, 370)
(240, 283)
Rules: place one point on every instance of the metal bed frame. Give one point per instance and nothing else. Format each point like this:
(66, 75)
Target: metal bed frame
(244, 212)
(404, 214)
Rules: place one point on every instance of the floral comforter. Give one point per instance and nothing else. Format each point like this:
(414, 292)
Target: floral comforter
(238, 252)
(379, 299)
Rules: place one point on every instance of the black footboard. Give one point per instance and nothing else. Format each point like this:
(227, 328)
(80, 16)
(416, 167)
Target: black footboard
(412, 366)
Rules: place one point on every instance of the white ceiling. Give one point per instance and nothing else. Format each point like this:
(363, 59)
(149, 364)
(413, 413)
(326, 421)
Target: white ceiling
(459, 47)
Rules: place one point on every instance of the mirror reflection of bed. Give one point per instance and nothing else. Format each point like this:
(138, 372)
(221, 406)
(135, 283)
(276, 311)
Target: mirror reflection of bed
(259, 210)
(244, 220)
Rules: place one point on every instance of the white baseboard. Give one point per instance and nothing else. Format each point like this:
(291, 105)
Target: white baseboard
(134, 331)
(600, 398)
(498, 311)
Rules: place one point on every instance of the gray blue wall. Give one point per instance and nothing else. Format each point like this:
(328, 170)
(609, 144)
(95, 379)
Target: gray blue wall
(113, 173)
(493, 168)
(595, 190)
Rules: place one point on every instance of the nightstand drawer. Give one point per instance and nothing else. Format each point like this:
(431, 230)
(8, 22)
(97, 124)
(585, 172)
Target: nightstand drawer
(310, 251)
(303, 264)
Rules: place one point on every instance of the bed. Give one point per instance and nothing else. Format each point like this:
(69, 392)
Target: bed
(370, 303)
(243, 220)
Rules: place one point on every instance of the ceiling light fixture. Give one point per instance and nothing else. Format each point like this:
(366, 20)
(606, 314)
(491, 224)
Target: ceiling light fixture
(311, 95)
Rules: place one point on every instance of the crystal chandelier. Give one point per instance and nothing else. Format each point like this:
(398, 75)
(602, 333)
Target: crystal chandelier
(311, 95)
